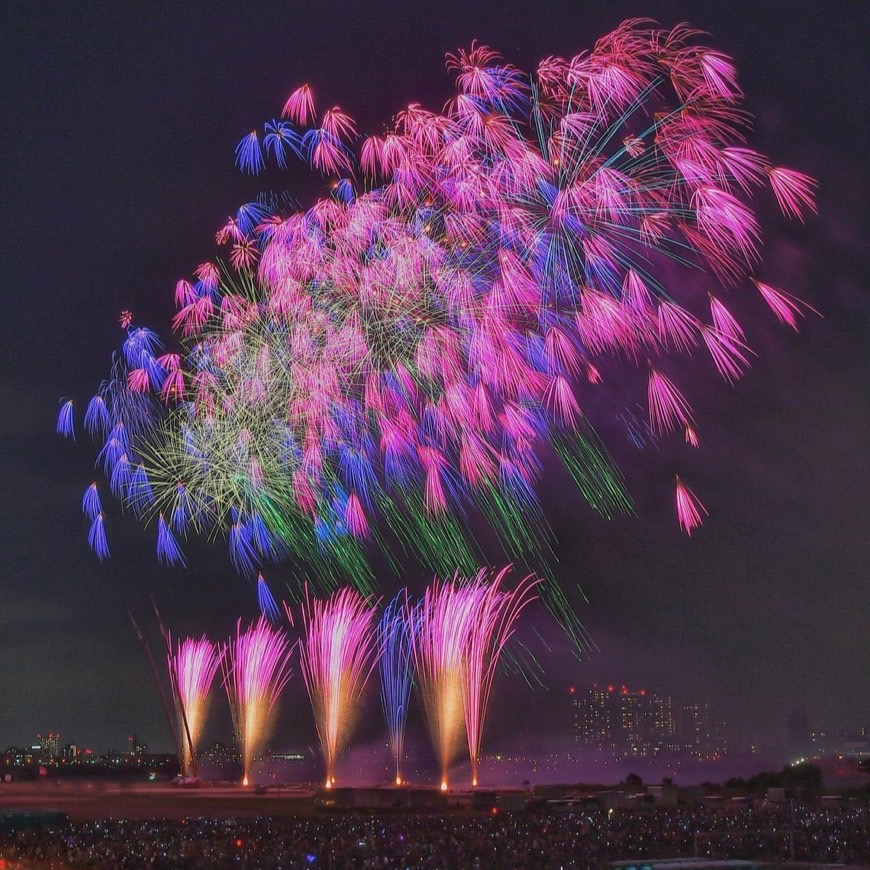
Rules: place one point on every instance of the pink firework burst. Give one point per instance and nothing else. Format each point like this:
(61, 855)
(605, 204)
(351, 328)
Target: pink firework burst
(689, 508)
(406, 351)
(442, 621)
(497, 611)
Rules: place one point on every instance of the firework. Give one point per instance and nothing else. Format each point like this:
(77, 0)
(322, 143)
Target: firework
(365, 372)
(689, 508)
(337, 656)
(268, 606)
(396, 638)
(460, 629)
(65, 425)
(443, 621)
(496, 613)
(192, 667)
(256, 667)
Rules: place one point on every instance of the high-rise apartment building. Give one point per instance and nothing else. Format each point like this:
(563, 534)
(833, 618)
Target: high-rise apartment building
(624, 723)
(49, 744)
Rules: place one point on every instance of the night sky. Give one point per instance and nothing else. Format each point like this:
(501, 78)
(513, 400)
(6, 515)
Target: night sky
(119, 123)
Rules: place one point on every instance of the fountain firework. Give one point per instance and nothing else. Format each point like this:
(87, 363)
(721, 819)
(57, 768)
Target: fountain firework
(443, 620)
(496, 613)
(396, 638)
(192, 667)
(461, 628)
(337, 656)
(256, 668)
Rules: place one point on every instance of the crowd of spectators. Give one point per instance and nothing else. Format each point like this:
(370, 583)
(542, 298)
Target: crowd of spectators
(459, 840)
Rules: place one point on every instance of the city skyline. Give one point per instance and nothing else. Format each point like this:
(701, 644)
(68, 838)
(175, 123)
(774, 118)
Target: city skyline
(580, 714)
(113, 185)
(625, 722)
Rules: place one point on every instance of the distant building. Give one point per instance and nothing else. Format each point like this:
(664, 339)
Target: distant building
(221, 754)
(840, 741)
(799, 741)
(661, 725)
(593, 719)
(48, 745)
(699, 733)
(617, 721)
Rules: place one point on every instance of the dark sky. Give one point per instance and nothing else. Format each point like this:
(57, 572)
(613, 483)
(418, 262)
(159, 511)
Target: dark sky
(119, 123)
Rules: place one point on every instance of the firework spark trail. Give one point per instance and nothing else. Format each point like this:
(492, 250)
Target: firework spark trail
(192, 667)
(367, 371)
(396, 638)
(268, 606)
(256, 668)
(497, 611)
(689, 508)
(337, 654)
